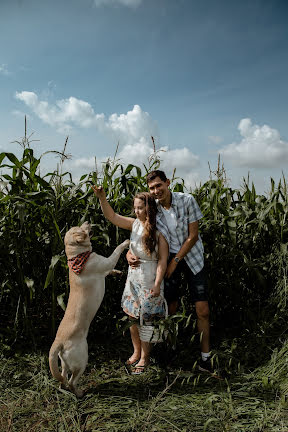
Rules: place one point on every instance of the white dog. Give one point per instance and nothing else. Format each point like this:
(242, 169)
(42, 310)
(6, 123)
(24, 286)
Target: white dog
(87, 272)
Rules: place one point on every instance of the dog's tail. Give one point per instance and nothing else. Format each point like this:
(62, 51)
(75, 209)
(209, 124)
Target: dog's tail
(53, 361)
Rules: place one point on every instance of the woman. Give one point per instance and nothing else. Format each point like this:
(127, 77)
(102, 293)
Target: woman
(144, 288)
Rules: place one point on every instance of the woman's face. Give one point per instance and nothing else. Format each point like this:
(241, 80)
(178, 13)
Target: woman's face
(139, 209)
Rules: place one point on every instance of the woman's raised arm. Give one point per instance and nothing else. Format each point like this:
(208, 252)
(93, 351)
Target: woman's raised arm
(118, 220)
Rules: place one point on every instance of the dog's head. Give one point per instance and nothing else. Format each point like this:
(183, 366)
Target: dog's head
(77, 240)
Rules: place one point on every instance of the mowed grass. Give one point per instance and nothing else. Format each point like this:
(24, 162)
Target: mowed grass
(164, 399)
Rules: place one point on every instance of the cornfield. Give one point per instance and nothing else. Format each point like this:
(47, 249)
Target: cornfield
(245, 236)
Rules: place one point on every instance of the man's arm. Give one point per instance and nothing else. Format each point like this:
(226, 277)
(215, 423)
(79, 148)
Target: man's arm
(185, 248)
(163, 251)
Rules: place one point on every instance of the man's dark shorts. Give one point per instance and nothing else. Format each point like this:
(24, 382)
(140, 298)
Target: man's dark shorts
(197, 284)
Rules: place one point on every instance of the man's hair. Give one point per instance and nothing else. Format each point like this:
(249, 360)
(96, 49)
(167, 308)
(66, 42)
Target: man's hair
(156, 173)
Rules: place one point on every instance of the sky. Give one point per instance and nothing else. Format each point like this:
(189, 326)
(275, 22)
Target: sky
(204, 78)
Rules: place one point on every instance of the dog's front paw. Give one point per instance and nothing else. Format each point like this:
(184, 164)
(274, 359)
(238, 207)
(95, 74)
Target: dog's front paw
(126, 243)
(115, 272)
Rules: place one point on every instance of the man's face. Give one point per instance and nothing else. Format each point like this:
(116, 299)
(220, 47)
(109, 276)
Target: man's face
(159, 189)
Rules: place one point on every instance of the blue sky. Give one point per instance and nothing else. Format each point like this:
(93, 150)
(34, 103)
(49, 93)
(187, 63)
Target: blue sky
(203, 77)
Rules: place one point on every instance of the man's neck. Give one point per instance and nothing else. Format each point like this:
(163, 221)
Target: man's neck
(166, 204)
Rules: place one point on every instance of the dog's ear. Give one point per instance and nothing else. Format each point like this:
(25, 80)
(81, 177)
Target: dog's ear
(80, 236)
(85, 226)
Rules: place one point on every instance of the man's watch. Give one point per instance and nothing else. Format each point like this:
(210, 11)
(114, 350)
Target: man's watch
(176, 259)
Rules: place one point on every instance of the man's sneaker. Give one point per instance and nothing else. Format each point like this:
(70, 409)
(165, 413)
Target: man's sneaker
(205, 366)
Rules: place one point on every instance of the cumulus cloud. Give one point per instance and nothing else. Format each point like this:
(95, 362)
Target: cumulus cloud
(128, 3)
(215, 139)
(21, 114)
(133, 131)
(65, 114)
(185, 162)
(130, 128)
(4, 69)
(138, 153)
(260, 147)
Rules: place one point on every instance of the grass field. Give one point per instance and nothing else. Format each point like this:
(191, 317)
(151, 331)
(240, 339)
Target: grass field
(175, 398)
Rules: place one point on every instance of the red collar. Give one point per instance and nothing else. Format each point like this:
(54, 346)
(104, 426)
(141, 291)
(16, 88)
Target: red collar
(77, 263)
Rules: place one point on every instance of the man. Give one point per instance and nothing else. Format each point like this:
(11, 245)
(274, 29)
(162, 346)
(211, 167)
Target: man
(177, 219)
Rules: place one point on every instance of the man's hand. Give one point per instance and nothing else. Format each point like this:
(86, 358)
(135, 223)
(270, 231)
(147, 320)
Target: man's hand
(155, 291)
(133, 260)
(99, 191)
(170, 268)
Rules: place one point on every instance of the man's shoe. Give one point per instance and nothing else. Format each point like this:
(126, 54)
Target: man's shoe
(205, 366)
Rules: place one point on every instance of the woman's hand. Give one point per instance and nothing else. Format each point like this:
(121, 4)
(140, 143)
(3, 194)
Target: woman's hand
(99, 192)
(155, 291)
(170, 268)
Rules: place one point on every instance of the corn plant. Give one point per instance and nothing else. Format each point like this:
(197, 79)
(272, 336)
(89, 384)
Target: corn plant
(244, 234)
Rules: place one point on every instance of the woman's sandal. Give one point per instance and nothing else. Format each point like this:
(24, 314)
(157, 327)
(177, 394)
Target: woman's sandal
(128, 365)
(138, 370)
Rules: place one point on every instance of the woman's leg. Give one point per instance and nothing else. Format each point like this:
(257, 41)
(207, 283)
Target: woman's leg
(145, 357)
(136, 344)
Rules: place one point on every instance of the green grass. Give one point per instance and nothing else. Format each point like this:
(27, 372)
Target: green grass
(161, 400)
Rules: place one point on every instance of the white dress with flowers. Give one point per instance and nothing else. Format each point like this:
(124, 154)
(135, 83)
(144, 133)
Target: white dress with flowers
(140, 281)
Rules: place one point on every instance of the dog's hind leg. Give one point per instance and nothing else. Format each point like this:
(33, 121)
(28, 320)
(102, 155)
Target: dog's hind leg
(65, 369)
(76, 375)
(77, 362)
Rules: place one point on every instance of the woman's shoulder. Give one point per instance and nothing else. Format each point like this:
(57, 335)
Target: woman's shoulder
(136, 223)
(136, 226)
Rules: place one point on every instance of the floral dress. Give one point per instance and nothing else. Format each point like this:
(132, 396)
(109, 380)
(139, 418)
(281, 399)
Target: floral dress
(140, 281)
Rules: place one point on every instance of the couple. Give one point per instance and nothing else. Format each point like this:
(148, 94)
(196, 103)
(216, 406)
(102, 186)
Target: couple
(164, 243)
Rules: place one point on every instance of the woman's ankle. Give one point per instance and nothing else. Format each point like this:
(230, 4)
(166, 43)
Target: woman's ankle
(134, 357)
(143, 362)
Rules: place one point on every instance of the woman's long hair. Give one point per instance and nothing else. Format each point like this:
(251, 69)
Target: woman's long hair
(149, 233)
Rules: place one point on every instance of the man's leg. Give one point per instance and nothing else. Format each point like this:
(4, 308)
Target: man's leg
(172, 307)
(198, 288)
(202, 312)
(171, 288)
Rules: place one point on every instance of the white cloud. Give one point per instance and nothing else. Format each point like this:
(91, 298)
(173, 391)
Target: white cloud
(65, 114)
(132, 130)
(20, 114)
(182, 159)
(135, 126)
(138, 153)
(260, 147)
(51, 85)
(129, 3)
(4, 69)
(215, 139)
(72, 112)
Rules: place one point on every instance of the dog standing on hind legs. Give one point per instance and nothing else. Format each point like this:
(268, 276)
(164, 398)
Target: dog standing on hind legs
(87, 272)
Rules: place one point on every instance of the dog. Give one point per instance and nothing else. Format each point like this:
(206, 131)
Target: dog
(87, 272)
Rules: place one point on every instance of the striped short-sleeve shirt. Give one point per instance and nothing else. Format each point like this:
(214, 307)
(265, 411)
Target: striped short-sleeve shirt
(187, 211)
